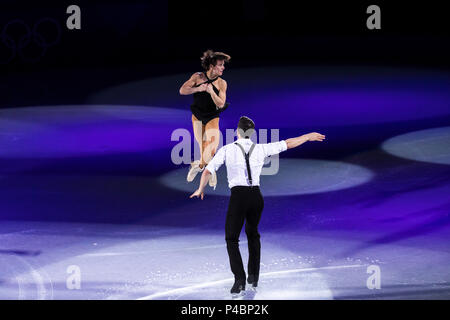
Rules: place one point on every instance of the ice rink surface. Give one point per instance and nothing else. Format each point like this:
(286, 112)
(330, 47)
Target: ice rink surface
(92, 207)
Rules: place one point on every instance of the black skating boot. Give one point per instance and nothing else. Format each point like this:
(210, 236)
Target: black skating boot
(253, 280)
(238, 287)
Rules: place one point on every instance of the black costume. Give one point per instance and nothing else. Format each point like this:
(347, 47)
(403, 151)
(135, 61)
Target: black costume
(203, 107)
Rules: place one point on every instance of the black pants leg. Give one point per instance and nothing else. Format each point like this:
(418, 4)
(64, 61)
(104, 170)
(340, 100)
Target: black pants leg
(245, 204)
(251, 229)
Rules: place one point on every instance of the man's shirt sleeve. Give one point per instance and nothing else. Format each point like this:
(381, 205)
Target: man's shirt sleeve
(217, 161)
(274, 148)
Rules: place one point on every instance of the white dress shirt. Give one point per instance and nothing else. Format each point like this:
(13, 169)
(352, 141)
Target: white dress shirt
(234, 160)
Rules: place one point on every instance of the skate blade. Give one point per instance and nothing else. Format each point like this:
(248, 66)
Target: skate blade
(238, 296)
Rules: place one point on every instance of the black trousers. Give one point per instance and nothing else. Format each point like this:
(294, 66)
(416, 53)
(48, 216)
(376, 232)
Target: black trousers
(246, 204)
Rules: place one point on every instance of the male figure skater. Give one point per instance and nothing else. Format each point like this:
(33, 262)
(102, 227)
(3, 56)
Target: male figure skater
(244, 161)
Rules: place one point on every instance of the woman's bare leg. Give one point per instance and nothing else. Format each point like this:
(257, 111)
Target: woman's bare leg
(212, 135)
(199, 131)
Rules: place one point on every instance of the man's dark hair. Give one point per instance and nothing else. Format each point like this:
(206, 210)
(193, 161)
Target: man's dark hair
(246, 127)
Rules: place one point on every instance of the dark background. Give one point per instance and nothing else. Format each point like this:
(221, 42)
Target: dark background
(128, 40)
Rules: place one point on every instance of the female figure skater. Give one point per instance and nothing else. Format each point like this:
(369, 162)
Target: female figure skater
(209, 91)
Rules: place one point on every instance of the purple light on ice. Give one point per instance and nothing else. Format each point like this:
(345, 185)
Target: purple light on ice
(64, 131)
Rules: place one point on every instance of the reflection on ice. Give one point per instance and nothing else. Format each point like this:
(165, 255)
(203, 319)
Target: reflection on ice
(430, 145)
(295, 176)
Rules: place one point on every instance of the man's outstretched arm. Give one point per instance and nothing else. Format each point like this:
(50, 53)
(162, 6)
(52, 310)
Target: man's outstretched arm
(295, 142)
(213, 165)
(203, 181)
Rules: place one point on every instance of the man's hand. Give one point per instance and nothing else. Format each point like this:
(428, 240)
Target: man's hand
(197, 193)
(295, 142)
(203, 182)
(314, 136)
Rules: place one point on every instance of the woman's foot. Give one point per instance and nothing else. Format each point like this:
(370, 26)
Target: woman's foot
(194, 170)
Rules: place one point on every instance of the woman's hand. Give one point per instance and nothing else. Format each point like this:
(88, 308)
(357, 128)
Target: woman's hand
(197, 193)
(209, 88)
(202, 87)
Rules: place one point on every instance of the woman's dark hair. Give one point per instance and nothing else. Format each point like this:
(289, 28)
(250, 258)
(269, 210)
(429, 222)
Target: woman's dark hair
(210, 58)
(246, 127)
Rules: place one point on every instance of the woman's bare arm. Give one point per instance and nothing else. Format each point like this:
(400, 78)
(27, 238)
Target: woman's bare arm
(188, 86)
(219, 100)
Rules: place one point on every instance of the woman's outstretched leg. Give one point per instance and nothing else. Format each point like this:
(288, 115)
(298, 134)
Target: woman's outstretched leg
(211, 142)
(199, 132)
